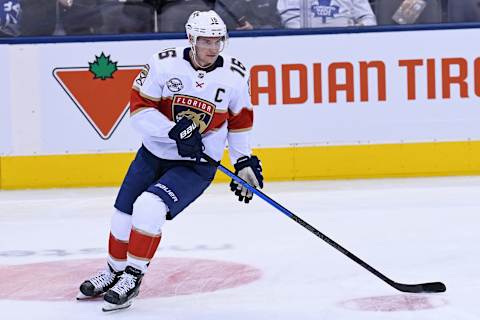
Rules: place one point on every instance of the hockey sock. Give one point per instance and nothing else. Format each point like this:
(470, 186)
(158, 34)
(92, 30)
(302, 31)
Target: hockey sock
(141, 248)
(118, 240)
(149, 215)
(117, 253)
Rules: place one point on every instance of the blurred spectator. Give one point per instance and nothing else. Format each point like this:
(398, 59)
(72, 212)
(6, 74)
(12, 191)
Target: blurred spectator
(39, 17)
(385, 9)
(10, 12)
(174, 13)
(249, 14)
(127, 16)
(80, 17)
(463, 11)
(325, 13)
(372, 4)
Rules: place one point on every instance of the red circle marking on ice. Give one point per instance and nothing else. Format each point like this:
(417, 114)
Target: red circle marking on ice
(166, 277)
(404, 302)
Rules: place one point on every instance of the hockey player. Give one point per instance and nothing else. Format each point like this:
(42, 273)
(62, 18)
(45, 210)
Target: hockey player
(325, 13)
(185, 101)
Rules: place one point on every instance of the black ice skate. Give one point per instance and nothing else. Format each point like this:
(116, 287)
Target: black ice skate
(121, 295)
(98, 284)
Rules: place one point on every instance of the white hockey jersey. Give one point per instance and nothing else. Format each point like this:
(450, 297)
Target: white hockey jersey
(216, 98)
(325, 13)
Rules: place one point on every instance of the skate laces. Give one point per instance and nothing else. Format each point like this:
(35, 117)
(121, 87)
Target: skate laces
(102, 278)
(127, 282)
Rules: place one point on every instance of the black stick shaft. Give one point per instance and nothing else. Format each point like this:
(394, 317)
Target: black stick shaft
(415, 288)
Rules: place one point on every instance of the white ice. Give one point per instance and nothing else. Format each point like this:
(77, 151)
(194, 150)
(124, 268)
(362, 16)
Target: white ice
(412, 230)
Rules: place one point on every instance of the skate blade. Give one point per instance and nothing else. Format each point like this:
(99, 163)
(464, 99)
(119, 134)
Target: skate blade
(107, 307)
(82, 297)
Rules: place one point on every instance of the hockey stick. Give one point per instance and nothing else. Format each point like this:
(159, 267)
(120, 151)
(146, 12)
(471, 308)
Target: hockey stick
(415, 288)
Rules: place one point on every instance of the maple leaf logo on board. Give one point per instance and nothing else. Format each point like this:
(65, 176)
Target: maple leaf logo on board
(102, 67)
(100, 91)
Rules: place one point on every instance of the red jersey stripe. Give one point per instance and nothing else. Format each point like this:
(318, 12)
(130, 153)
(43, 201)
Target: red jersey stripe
(218, 120)
(240, 121)
(138, 102)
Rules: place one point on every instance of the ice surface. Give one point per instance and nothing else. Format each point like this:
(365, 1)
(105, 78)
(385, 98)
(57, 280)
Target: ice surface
(412, 230)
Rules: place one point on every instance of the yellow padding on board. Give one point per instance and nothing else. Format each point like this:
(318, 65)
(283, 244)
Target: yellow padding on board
(388, 160)
(293, 163)
(58, 171)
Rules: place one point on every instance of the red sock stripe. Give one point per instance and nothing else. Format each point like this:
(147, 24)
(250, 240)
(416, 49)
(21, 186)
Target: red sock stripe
(117, 249)
(143, 246)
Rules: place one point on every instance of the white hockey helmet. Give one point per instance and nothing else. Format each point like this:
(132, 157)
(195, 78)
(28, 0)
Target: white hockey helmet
(205, 24)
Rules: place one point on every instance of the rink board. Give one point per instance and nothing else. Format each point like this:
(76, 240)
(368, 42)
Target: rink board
(381, 110)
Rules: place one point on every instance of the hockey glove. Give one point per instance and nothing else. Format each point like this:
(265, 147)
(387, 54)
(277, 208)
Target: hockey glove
(250, 170)
(188, 139)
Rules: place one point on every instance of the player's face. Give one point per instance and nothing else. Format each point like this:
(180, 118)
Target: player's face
(208, 49)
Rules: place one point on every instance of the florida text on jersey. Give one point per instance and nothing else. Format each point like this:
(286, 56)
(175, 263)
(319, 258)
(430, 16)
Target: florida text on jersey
(217, 99)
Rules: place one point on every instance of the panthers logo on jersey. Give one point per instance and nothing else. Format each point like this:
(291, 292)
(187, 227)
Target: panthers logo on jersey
(198, 110)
